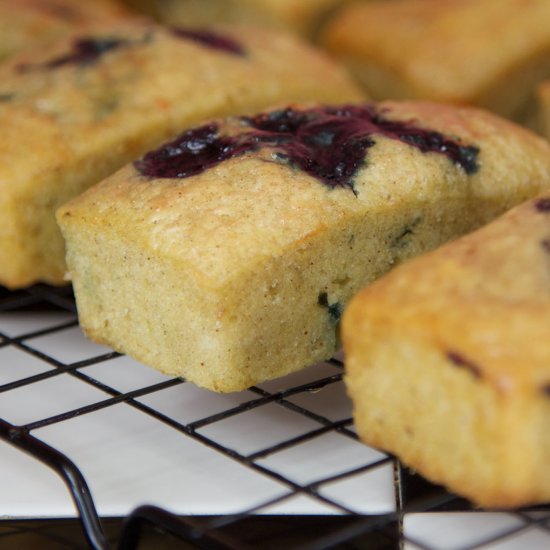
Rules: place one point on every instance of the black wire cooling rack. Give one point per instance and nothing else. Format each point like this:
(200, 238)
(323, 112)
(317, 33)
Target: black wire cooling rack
(419, 516)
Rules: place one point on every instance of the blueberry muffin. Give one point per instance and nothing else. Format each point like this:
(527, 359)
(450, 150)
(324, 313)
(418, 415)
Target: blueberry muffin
(78, 110)
(490, 53)
(448, 361)
(228, 254)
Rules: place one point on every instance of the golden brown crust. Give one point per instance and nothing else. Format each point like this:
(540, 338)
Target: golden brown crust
(484, 52)
(464, 327)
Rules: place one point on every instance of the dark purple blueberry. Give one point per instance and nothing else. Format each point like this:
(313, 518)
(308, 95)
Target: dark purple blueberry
(286, 121)
(546, 390)
(460, 361)
(428, 141)
(327, 143)
(85, 51)
(334, 310)
(211, 39)
(190, 153)
(401, 240)
(543, 205)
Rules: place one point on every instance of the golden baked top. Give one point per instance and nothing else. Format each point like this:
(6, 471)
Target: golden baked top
(483, 300)
(227, 193)
(24, 23)
(450, 50)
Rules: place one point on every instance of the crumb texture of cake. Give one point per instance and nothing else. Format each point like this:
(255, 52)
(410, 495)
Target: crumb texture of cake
(299, 16)
(448, 361)
(227, 255)
(76, 111)
(28, 23)
(489, 53)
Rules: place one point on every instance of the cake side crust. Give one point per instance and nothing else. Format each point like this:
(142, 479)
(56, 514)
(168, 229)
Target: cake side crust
(447, 361)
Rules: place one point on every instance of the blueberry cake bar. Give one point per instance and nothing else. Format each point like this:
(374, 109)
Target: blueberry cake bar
(228, 254)
(76, 111)
(490, 53)
(448, 361)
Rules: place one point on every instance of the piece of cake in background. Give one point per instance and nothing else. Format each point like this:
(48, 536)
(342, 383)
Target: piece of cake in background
(299, 16)
(448, 361)
(26, 23)
(542, 120)
(490, 53)
(227, 255)
(78, 110)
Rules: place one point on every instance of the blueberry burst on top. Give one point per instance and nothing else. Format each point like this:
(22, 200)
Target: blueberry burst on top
(328, 143)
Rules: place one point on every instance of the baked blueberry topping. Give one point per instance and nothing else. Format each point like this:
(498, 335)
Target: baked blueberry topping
(211, 39)
(6, 97)
(85, 51)
(334, 310)
(461, 361)
(543, 205)
(327, 143)
(190, 153)
(546, 390)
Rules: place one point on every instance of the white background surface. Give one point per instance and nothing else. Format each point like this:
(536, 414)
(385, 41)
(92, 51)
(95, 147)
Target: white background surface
(129, 457)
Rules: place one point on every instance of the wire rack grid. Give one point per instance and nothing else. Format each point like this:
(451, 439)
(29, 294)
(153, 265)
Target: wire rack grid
(145, 456)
